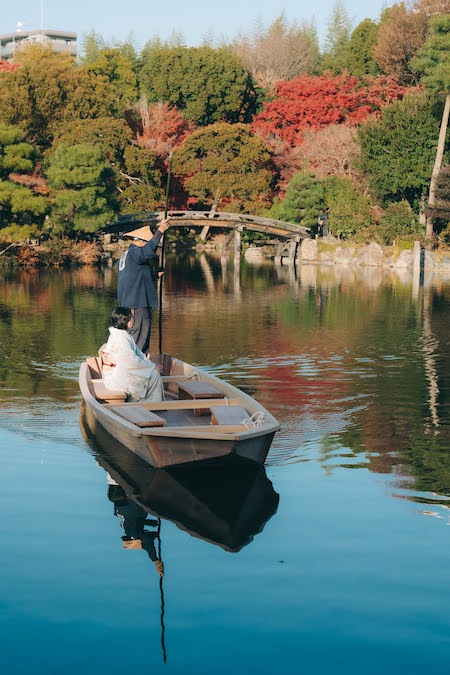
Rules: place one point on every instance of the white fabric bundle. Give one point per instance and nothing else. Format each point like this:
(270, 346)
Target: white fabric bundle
(126, 367)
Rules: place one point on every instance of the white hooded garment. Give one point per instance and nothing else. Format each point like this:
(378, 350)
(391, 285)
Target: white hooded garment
(132, 371)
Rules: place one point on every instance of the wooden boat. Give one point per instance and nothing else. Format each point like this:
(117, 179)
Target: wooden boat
(202, 419)
(226, 508)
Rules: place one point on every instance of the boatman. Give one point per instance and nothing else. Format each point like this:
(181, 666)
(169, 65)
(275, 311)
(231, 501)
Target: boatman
(135, 284)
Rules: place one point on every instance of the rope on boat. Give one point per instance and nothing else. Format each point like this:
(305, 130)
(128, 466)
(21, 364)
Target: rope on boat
(255, 420)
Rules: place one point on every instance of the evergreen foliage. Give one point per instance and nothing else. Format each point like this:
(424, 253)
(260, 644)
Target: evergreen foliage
(397, 151)
(118, 69)
(397, 221)
(226, 161)
(48, 91)
(337, 39)
(18, 203)
(113, 135)
(303, 202)
(81, 188)
(141, 183)
(207, 85)
(80, 122)
(350, 208)
(433, 60)
(360, 61)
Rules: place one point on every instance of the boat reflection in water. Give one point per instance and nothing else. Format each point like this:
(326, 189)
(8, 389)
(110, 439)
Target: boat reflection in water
(226, 506)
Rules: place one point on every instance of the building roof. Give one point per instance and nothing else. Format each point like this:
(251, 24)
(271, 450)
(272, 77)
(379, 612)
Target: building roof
(51, 33)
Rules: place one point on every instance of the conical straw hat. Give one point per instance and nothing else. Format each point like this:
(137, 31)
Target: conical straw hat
(144, 233)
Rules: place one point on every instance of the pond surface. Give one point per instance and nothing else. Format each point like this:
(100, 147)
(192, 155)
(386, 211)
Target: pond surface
(332, 559)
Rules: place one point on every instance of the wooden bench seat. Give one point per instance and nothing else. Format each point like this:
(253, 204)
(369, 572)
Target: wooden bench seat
(228, 414)
(182, 405)
(140, 416)
(195, 389)
(105, 395)
(163, 360)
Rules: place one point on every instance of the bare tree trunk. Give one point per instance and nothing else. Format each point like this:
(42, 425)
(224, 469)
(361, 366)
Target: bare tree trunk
(437, 164)
(215, 204)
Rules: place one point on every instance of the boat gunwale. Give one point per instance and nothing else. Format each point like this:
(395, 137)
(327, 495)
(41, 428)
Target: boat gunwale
(268, 426)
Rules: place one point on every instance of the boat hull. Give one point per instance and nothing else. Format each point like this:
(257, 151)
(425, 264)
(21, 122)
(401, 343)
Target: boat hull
(168, 447)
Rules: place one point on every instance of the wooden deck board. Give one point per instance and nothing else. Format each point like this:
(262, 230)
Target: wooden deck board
(140, 416)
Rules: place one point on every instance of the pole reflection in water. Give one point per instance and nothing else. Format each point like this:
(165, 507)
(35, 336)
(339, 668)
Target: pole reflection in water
(225, 506)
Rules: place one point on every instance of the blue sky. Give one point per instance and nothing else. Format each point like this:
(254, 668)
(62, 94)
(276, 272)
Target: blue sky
(194, 19)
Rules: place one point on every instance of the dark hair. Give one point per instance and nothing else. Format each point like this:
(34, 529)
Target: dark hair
(117, 494)
(120, 317)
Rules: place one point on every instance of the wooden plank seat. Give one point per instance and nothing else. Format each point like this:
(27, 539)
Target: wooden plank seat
(195, 389)
(228, 414)
(140, 416)
(182, 405)
(105, 395)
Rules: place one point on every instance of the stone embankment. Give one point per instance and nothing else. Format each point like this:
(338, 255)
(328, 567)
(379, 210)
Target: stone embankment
(330, 251)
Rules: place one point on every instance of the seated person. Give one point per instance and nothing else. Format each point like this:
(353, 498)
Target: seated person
(125, 366)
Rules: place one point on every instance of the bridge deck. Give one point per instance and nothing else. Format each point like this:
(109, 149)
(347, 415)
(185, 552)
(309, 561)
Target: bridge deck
(230, 221)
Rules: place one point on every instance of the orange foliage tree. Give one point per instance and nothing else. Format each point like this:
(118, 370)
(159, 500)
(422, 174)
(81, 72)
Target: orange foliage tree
(161, 127)
(401, 34)
(311, 103)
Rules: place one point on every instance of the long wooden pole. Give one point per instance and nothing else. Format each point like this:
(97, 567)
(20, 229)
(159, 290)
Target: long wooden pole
(162, 253)
(161, 591)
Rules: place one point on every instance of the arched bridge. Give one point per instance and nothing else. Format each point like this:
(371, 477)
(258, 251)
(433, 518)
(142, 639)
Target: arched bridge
(289, 233)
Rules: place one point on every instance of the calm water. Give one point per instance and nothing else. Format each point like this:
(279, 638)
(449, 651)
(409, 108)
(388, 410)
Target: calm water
(334, 559)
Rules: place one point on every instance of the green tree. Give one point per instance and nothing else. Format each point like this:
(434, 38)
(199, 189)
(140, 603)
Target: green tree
(113, 135)
(397, 221)
(434, 62)
(226, 161)
(118, 69)
(350, 208)
(397, 150)
(34, 95)
(91, 45)
(141, 187)
(92, 96)
(360, 59)
(15, 154)
(304, 200)
(337, 39)
(18, 203)
(207, 85)
(82, 188)
(47, 91)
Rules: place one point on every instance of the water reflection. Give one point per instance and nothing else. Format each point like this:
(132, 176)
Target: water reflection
(226, 508)
(354, 363)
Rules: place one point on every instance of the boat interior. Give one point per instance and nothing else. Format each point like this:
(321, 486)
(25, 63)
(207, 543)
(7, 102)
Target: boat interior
(190, 402)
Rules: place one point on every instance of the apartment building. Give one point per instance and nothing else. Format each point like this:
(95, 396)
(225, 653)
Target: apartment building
(60, 41)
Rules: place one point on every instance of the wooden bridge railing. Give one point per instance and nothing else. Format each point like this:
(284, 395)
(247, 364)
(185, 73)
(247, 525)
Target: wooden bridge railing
(219, 219)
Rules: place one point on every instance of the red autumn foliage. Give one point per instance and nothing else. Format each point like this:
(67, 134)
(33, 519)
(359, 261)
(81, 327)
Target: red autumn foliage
(316, 102)
(7, 65)
(162, 127)
(35, 181)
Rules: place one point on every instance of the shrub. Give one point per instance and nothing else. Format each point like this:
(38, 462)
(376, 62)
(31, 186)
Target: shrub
(397, 221)
(350, 208)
